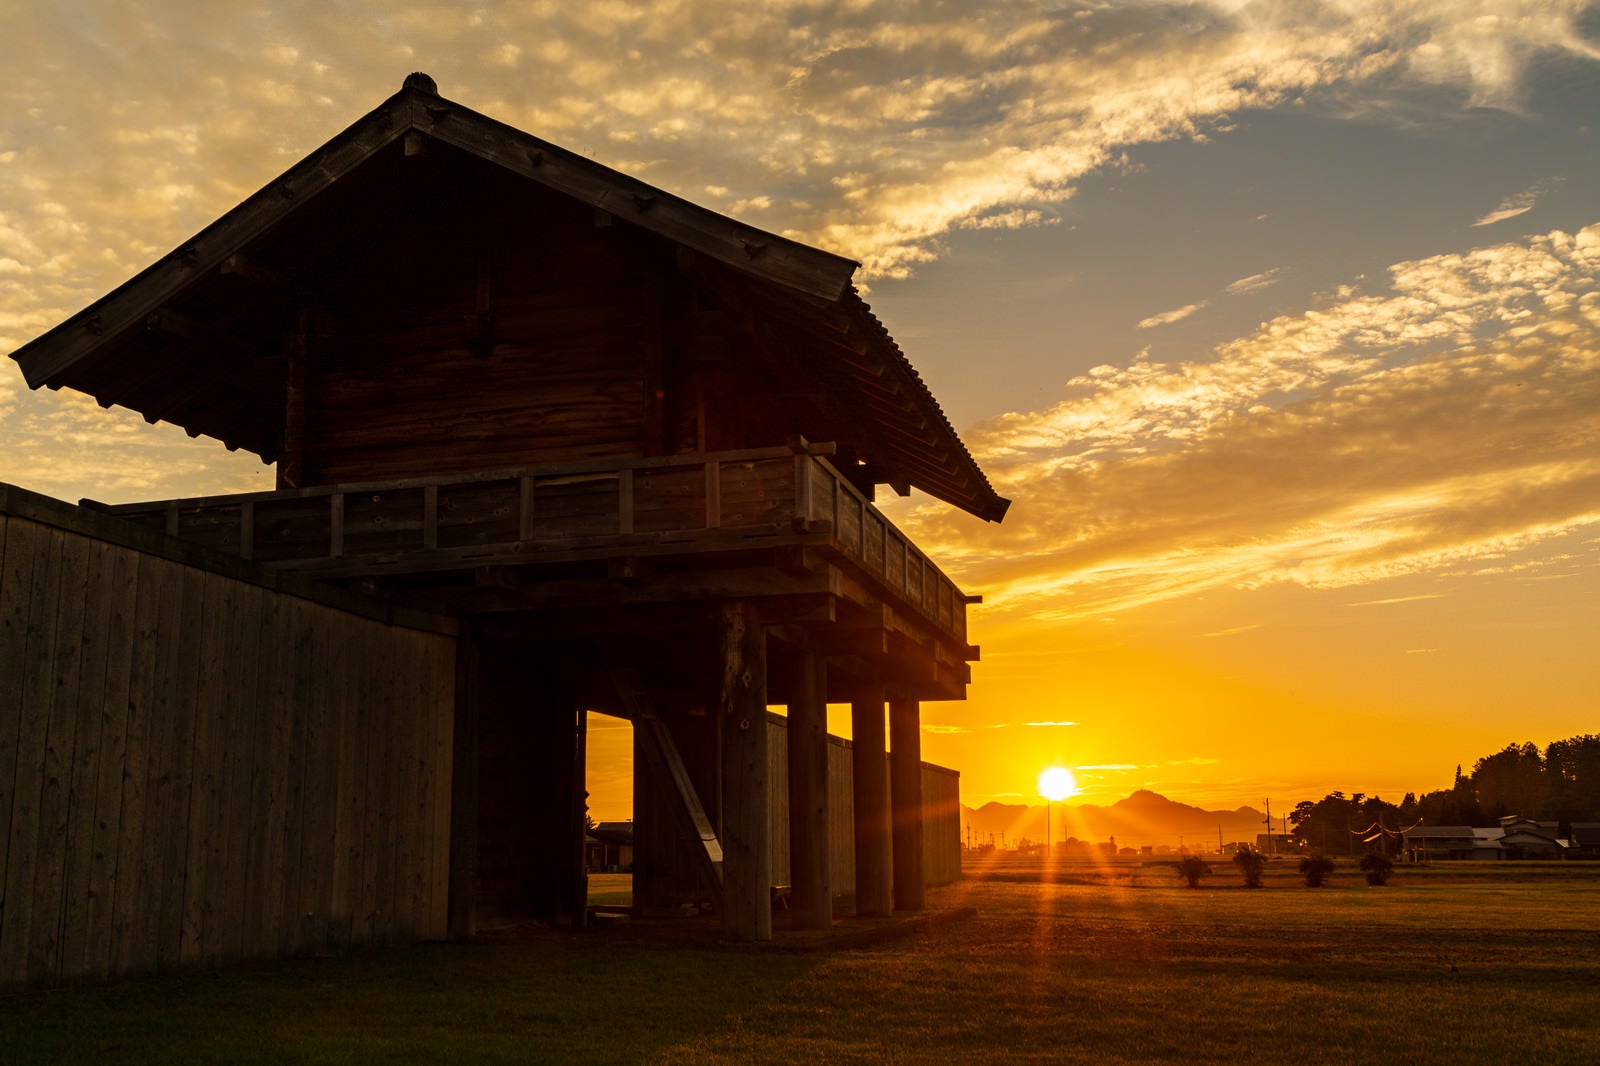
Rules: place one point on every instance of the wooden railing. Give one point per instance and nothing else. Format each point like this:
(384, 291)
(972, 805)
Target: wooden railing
(661, 505)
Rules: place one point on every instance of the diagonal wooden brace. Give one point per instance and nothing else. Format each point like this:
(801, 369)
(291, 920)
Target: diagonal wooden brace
(662, 754)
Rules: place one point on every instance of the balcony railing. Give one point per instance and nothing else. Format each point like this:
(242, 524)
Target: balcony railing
(664, 505)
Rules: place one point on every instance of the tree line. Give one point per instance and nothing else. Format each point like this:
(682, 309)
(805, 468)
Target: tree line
(1559, 784)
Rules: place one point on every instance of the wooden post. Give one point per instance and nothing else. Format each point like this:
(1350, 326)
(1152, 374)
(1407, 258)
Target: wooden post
(464, 793)
(812, 880)
(870, 768)
(572, 894)
(296, 348)
(746, 828)
(905, 776)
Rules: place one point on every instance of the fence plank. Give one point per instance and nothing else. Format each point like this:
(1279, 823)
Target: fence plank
(17, 561)
(245, 664)
(180, 669)
(444, 714)
(350, 787)
(308, 914)
(269, 795)
(61, 712)
(111, 774)
(35, 679)
(142, 682)
(301, 668)
(202, 878)
(78, 837)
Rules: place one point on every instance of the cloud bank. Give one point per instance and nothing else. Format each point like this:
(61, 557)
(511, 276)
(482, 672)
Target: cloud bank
(1444, 424)
(870, 127)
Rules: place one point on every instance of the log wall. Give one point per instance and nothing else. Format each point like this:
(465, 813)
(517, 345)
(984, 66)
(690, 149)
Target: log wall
(202, 762)
(447, 347)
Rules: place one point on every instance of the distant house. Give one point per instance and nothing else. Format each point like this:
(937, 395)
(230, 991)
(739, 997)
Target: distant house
(1584, 841)
(608, 848)
(1427, 843)
(1523, 838)
(1277, 844)
(1514, 838)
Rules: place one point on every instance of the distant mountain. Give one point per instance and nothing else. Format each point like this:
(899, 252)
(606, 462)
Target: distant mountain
(1143, 818)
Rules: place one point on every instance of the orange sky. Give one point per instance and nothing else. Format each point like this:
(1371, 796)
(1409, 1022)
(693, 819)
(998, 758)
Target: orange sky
(1280, 324)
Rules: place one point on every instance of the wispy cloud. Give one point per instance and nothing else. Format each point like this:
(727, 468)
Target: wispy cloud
(1521, 203)
(1396, 599)
(1233, 632)
(1325, 449)
(870, 128)
(1166, 318)
(1254, 282)
(1047, 725)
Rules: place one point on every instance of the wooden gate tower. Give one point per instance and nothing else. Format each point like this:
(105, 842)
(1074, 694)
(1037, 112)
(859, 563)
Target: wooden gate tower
(631, 444)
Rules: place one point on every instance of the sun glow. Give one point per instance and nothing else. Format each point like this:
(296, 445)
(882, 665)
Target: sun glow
(1057, 783)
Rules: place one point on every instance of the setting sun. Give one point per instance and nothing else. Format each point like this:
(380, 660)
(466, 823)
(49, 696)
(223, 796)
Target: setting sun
(1057, 783)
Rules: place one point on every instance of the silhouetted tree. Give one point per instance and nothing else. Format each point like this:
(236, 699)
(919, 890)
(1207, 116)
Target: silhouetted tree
(1192, 868)
(1335, 823)
(1572, 773)
(1250, 863)
(1377, 867)
(1456, 805)
(1315, 869)
(1511, 781)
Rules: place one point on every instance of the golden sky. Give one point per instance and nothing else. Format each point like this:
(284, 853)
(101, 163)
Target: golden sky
(1278, 321)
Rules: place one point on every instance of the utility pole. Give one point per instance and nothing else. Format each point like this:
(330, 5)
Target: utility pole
(1269, 825)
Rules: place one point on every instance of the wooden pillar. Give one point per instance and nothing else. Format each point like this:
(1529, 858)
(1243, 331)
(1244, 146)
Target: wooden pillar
(905, 777)
(464, 793)
(297, 358)
(577, 855)
(809, 874)
(746, 822)
(870, 768)
(554, 735)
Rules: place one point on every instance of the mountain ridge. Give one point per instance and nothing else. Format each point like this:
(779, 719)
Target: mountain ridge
(1142, 818)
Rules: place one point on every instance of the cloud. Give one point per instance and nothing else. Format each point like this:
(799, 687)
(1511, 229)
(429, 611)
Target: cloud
(1325, 449)
(1233, 632)
(1521, 203)
(1254, 282)
(1396, 599)
(871, 128)
(1166, 318)
(1047, 725)
(943, 729)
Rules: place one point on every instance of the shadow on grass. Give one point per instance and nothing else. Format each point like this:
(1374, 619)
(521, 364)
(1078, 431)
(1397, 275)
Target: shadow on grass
(562, 999)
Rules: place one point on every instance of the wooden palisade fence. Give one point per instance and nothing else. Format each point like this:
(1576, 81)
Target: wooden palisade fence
(201, 763)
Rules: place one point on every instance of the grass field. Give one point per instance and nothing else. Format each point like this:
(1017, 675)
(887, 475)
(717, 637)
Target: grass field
(1452, 963)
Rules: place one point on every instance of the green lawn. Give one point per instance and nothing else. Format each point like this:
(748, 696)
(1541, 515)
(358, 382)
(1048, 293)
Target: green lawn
(1079, 963)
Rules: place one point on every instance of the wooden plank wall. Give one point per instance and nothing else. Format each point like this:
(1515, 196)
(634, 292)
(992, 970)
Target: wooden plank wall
(197, 769)
(941, 827)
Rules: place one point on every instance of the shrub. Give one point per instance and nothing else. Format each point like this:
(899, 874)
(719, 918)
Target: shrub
(1250, 863)
(1192, 868)
(1315, 869)
(1377, 867)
